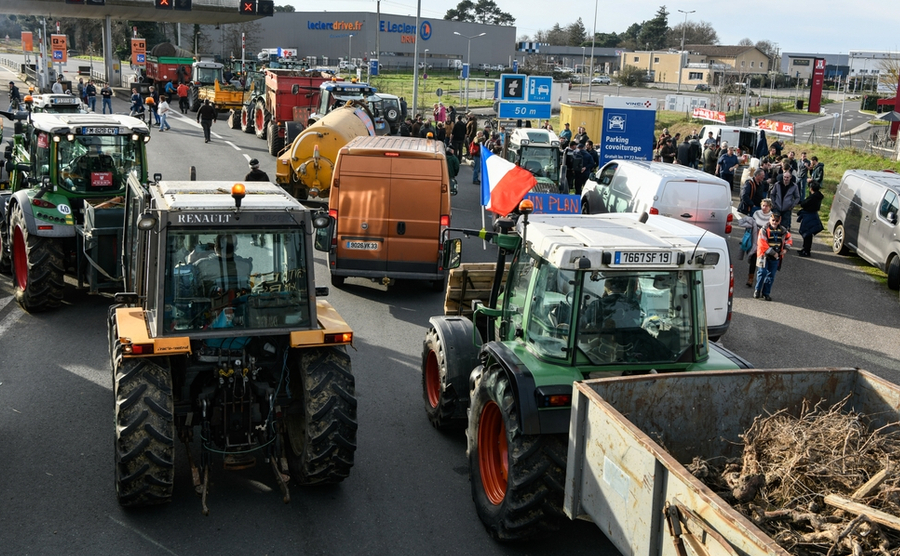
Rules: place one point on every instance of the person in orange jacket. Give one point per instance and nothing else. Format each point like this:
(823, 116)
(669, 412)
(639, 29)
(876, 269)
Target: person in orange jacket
(771, 245)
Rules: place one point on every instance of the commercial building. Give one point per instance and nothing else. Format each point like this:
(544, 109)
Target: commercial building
(703, 64)
(328, 37)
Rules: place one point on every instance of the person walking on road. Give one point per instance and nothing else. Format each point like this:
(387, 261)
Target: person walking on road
(137, 105)
(183, 97)
(15, 98)
(255, 174)
(754, 223)
(785, 195)
(205, 117)
(154, 94)
(771, 245)
(90, 92)
(163, 111)
(726, 166)
(106, 98)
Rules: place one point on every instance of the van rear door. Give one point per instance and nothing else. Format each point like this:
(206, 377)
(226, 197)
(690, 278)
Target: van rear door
(414, 218)
(362, 225)
(706, 205)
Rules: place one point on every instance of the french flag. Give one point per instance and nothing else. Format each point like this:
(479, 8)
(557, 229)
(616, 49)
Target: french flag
(503, 184)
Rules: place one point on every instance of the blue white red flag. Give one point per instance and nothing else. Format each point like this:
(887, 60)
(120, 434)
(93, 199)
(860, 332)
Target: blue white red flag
(503, 184)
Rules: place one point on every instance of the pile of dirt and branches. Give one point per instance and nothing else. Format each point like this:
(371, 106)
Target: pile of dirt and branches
(824, 483)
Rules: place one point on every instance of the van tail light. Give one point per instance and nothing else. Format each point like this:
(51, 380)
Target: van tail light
(728, 220)
(333, 213)
(730, 292)
(445, 221)
(654, 210)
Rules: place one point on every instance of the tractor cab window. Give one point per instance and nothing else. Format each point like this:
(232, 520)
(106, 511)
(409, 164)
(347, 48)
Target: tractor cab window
(252, 279)
(98, 163)
(551, 312)
(207, 75)
(40, 155)
(634, 317)
(543, 162)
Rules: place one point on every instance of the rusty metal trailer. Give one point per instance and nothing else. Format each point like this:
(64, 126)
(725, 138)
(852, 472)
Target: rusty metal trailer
(637, 492)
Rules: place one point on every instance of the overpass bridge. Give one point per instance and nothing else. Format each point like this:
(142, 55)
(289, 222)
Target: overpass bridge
(205, 12)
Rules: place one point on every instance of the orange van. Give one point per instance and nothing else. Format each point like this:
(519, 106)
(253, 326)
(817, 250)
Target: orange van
(390, 202)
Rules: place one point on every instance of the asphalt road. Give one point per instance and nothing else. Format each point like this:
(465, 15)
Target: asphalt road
(408, 493)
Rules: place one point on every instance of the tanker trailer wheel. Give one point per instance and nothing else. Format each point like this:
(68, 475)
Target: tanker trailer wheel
(247, 119)
(440, 395)
(517, 480)
(274, 141)
(37, 266)
(320, 426)
(260, 120)
(5, 257)
(234, 119)
(145, 433)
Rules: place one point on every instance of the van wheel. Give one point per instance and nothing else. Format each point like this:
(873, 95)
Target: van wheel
(838, 241)
(893, 273)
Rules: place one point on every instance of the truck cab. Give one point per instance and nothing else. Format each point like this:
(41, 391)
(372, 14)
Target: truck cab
(334, 94)
(536, 150)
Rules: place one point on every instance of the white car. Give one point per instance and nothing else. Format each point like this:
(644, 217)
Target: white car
(602, 80)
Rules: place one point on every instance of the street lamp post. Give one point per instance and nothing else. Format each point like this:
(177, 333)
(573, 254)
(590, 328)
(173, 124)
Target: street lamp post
(581, 91)
(681, 53)
(468, 60)
(349, 53)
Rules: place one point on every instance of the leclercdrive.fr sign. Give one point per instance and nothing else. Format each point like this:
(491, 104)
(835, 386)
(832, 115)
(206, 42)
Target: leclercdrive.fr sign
(628, 126)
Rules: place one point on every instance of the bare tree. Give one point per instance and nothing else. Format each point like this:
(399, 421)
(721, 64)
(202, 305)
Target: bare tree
(231, 39)
(889, 73)
(695, 32)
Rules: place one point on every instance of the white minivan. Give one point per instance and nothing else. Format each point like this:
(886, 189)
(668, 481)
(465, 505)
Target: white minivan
(718, 281)
(671, 190)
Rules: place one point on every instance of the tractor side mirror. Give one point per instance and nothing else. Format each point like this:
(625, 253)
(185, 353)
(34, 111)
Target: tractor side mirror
(324, 225)
(452, 253)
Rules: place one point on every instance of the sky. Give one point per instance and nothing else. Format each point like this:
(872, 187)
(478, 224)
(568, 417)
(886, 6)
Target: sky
(809, 26)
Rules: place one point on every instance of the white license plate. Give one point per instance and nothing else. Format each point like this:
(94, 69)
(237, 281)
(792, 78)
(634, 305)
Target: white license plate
(363, 245)
(642, 257)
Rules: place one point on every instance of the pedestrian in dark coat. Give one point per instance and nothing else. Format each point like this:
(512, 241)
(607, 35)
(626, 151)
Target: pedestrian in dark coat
(683, 153)
(205, 117)
(808, 217)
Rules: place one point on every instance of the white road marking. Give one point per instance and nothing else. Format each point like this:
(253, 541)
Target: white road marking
(100, 378)
(233, 145)
(10, 319)
(142, 535)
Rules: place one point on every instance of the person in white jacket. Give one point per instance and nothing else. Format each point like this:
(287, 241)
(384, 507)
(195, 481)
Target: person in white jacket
(163, 111)
(753, 223)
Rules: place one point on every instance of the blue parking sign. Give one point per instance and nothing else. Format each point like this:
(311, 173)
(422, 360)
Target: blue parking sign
(57, 55)
(140, 58)
(540, 89)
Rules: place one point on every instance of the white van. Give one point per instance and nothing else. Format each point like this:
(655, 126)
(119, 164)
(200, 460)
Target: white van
(658, 188)
(718, 281)
(743, 137)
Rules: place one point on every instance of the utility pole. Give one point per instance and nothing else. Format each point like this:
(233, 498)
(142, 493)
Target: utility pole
(681, 52)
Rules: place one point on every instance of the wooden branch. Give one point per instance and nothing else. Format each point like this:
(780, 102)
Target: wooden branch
(861, 509)
(871, 484)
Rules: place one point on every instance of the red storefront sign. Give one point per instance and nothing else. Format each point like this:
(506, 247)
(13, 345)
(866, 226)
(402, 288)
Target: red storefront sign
(815, 90)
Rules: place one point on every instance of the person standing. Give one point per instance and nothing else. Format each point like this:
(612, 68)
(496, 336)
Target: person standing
(404, 108)
(154, 94)
(808, 217)
(565, 135)
(255, 174)
(683, 152)
(772, 243)
(475, 153)
(754, 223)
(471, 130)
(452, 165)
(579, 171)
(137, 105)
(753, 191)
(15, 98)
(106, 94)
(785, 195)
(183, 91)
(803, 174)
(205, 117)
(581, 137)
(816, 170)
(710, 156)
(90, 91)
(163, 111)
(726, 166)
(458, 135)
(57, 88)
(668, 152)
(81, 90)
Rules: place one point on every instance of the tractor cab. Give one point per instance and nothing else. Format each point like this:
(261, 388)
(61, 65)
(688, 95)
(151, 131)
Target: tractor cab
(536, 150)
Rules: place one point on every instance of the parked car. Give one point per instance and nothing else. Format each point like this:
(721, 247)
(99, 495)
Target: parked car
(701, 87)
(602, 80)
(863, 218)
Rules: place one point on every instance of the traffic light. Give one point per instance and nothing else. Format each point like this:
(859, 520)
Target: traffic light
(246, 7)
(183, 5)
(163, 4)
(265, 7)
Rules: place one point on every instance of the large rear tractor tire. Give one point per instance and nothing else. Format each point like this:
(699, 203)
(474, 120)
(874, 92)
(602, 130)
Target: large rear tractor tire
(234, 119)
(37, 267)
(194, 99)
(439, 392)
(5, 257)
(517, 480)
(247, 119)
(320, 426)
(145, 433)
(260, 120)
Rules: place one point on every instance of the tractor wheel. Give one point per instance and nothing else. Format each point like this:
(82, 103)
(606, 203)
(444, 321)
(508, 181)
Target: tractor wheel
(247, 119)
(260, 120)
(112, 335)
(517, 480)
(195, 99)
(5, 258)
(320, 426)
(440, 395)
(145, 433)
(274, 140)
(37, 265)
(234, 119)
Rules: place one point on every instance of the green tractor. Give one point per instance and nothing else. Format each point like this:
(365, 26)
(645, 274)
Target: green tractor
(585, 296)
(61, 213)
(537, 150)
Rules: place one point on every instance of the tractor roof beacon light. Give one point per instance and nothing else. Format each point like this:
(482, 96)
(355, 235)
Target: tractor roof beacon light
(238, 191)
